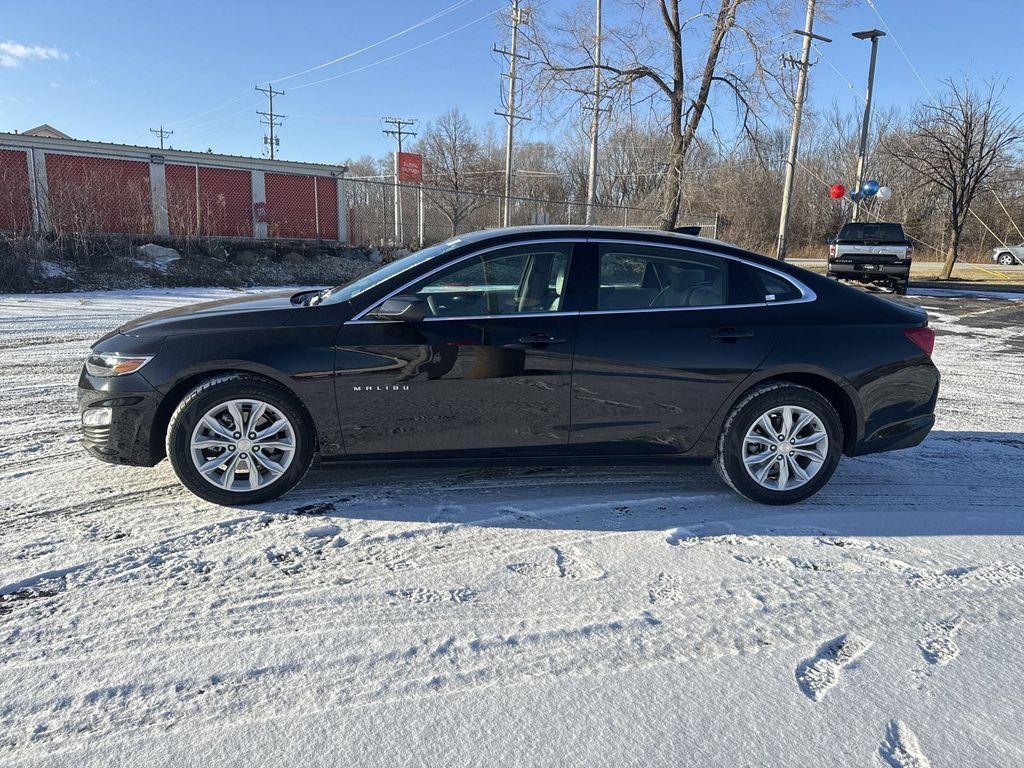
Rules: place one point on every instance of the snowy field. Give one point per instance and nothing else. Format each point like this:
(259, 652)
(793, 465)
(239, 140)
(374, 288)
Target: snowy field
(575, 617)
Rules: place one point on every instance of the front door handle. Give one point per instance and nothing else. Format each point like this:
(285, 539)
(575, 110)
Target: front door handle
(728, 333)
(540, 338)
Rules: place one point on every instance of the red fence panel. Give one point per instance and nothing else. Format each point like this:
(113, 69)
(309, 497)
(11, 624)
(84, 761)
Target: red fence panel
(327, 207)
(15, 200)
(98, 194)
(291, 205)
(208, 201)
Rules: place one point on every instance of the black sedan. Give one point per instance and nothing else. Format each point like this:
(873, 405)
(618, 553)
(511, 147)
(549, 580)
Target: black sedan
(532, 345)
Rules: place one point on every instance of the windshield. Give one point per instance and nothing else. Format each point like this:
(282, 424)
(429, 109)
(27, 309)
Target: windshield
(386, 272)
(875, 233)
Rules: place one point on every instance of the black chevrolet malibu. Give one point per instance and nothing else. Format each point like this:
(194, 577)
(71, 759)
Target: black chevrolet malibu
(532, 345)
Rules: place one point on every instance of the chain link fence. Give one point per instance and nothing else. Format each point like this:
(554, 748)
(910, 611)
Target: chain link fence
(59, 187)
(426, 215)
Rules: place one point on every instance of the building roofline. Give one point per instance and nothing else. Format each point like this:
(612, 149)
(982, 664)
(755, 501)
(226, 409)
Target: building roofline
(137, 152)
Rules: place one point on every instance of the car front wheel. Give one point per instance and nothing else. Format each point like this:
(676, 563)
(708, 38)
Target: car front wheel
(1006, 259)
(780, 444)
(239, 439)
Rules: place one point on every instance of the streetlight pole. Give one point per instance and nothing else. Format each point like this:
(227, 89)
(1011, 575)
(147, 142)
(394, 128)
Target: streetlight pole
(872, 35)
(794, 133)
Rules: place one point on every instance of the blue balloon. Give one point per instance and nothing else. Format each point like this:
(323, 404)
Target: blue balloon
(855, 195)
(871, 188)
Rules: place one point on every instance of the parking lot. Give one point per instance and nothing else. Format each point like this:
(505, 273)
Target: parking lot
(457, 616)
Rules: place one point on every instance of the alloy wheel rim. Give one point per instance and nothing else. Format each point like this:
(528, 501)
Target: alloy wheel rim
(242, 445)
(785, 448)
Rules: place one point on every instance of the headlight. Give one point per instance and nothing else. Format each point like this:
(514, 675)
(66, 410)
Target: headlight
(101, 364)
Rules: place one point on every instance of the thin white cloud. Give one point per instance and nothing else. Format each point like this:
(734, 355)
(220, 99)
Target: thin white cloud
(15, 54)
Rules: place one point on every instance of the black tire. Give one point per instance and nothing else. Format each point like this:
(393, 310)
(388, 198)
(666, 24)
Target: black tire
(1007, 259)
(729, 456)
(222, 389)
(901, 287)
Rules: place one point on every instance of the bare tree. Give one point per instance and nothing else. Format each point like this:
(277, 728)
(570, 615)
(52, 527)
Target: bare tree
(645, 62)
(956, 145)
(455, 160)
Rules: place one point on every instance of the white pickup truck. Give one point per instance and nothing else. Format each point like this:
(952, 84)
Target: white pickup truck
(876, 253)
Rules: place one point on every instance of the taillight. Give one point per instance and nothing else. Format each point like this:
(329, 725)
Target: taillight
(923, 338)
(832, 250)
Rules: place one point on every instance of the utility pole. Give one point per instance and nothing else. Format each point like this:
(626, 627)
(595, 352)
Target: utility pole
(595, 121)
(518, 16)
(872, 35)
(398, 131)
(161, 133)
(270, 119)
(794, 132)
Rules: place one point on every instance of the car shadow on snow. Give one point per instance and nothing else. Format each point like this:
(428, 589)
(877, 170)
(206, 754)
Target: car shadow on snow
(955, 483)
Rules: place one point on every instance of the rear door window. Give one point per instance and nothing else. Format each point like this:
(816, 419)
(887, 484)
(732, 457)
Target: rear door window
(648, 277)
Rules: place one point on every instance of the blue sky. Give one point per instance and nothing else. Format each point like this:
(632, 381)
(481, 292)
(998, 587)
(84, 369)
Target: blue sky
(109, 71)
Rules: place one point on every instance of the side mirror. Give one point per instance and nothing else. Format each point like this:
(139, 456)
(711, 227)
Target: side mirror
(408, 309)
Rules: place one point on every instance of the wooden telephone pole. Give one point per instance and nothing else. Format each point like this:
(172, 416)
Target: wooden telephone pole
(794, 132)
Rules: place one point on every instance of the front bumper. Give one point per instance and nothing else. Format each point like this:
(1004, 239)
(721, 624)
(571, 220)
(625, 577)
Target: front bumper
(133, 403)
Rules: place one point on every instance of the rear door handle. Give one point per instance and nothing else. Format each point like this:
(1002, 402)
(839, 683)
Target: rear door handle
(540, 337)
(728, 333)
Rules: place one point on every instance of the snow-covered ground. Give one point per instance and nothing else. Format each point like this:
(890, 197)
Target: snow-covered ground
(512, 618)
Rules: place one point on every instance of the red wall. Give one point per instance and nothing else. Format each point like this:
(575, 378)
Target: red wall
(15, 203)
(225, 201)
(98, 194)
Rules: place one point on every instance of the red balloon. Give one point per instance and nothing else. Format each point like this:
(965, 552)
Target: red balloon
(837, 191)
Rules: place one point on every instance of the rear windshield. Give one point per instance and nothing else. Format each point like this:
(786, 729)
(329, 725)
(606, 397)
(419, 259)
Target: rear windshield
(875, 233)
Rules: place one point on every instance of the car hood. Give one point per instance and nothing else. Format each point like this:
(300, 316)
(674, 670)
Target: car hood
(211, 314)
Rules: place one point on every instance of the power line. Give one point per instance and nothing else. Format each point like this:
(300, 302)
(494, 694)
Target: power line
(930, 96)
(202, 131)
(161, 133)
(444, 12)
(397, 55)
(900, 48)
(270, 119)
(210, 111)
(434, 17)
(517, 16)
(901, 137)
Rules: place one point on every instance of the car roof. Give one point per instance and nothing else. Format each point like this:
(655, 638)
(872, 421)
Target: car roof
(589, 230)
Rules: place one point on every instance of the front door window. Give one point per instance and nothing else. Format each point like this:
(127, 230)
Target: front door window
(529, 279)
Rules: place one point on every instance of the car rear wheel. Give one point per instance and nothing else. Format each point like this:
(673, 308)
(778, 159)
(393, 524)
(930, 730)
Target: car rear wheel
(1006, 259)
(780, 444)
(239, 439)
